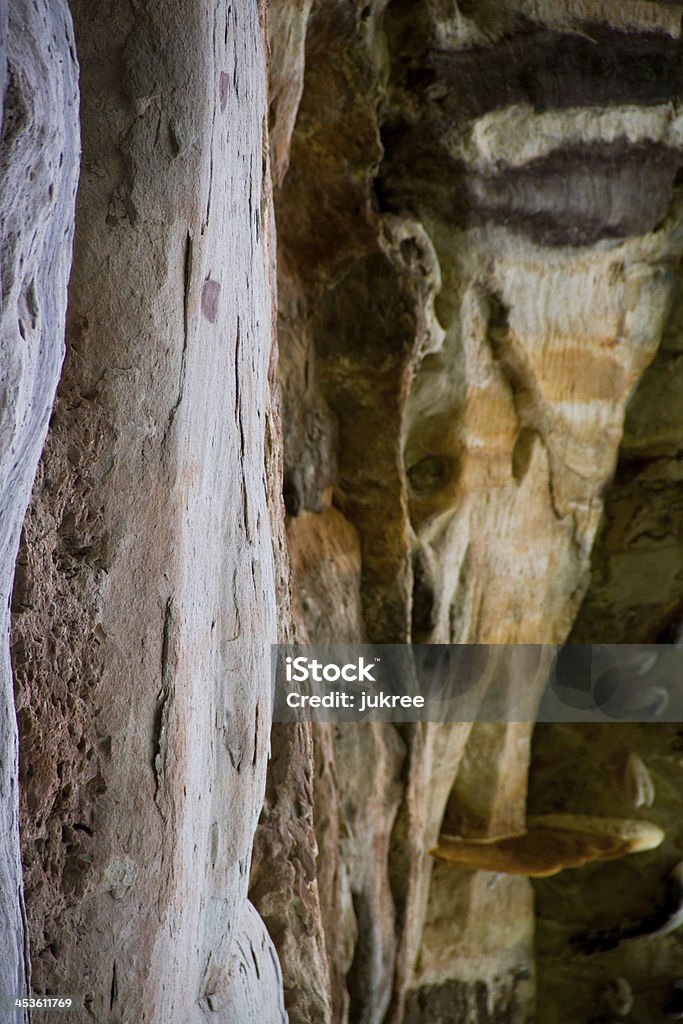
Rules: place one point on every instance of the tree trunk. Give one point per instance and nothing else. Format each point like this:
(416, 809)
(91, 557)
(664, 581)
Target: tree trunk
(147, 606)
(39, 150)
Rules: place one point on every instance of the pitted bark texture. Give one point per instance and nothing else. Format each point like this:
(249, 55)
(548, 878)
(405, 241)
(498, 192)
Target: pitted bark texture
(39, 148)
(147, 598)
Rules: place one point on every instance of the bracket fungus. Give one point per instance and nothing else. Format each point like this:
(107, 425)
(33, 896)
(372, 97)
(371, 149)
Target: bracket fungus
(551, 843)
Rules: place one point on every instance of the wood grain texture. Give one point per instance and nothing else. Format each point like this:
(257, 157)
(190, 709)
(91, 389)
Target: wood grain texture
(148, 594)
(39, 151)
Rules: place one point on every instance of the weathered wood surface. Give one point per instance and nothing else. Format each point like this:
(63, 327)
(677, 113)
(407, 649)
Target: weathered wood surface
(39, 149)
(147, 595)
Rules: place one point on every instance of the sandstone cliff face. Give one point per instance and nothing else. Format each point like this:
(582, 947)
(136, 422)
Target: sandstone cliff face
(478, 233)
(634, 596)
(479, 228)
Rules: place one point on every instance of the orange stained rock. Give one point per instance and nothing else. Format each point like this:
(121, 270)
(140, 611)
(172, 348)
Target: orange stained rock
(550, 844)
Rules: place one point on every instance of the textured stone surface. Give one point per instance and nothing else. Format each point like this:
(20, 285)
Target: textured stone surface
(252, 988)
(284, 881)
(638, 557)
(478, 231)
(39, 148)
(634, 596)
(478, 208)
(147, 591)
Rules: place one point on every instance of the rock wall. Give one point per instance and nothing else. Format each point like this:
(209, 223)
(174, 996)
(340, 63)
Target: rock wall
(634, 597)
(479, 229)
(39, 148)
(479, 223)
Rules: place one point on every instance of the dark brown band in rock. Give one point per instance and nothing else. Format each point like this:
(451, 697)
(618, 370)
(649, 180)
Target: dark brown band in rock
(554, 71)
(574, 196)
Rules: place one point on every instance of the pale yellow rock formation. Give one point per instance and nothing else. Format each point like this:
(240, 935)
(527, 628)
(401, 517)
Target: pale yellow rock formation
(551, 843)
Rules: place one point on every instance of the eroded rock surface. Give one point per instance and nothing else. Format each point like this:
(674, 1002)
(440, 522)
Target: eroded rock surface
(479, 223)
(479, 228)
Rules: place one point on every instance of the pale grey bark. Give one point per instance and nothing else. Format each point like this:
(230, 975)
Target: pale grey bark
(38, 174)
(148, 553)
(253, 982)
